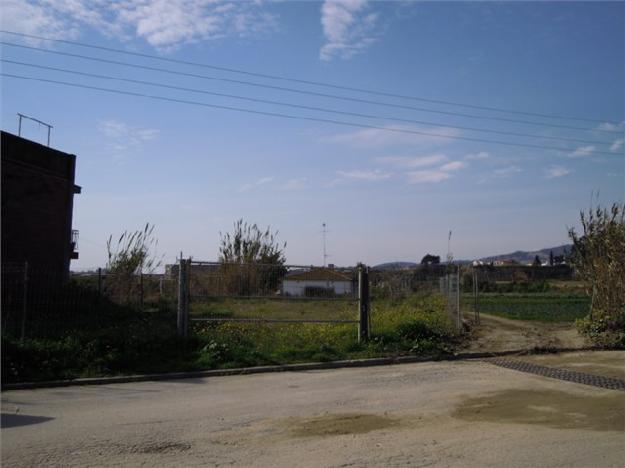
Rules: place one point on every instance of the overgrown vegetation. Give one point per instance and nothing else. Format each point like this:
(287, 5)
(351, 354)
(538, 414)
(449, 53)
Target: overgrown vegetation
(144, 342)
(599, 260)
(132, 255)
(251, 259)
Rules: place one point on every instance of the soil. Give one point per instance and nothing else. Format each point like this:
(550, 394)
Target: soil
(340, 424)
(551, 408)
(500, 334)
(604, 363)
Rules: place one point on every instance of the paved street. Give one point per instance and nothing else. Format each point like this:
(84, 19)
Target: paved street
(448, 414)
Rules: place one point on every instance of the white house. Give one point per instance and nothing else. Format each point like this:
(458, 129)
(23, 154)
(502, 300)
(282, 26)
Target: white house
(317, 282)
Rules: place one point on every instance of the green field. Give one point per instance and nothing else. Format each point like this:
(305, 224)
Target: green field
(275, 309)
(540, 307)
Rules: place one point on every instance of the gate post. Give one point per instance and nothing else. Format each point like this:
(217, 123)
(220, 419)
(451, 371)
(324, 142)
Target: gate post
(183, 297)
(364, 304)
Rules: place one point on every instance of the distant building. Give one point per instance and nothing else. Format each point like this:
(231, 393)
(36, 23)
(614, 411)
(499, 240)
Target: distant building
(505, 262)
(317, 282)
(37, 204)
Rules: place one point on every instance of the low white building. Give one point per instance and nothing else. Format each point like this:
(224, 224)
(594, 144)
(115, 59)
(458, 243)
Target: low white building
(320, 282)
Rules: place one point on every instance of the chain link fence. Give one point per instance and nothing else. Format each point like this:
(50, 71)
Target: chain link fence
(39, 301)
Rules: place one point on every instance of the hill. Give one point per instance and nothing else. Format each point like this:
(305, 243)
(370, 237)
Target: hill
(523, 256)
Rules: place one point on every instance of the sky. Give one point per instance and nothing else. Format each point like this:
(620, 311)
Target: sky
(390, 188)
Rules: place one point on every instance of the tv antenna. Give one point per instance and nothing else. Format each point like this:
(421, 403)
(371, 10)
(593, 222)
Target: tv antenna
(325, 232)
(19, 125)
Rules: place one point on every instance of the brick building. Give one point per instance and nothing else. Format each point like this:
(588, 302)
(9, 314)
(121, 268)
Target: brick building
(37, 204)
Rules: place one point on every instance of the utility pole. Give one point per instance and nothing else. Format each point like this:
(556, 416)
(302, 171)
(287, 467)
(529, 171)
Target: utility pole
(325, 255)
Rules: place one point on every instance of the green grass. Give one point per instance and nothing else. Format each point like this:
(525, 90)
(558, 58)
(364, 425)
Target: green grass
(539, 307)
(277, 309)
(145, 342)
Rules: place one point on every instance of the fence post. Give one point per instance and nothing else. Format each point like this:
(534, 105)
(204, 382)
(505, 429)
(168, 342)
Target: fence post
(141, 289)
(183, 302)
(24, 302)
(364, 304)
(459, 315)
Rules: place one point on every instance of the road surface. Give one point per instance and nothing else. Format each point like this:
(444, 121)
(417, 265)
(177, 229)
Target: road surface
(447, 414)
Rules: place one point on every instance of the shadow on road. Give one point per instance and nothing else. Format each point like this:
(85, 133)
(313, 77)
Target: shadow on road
(15, 420)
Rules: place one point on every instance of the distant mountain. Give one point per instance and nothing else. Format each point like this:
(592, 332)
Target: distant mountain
(520, 256)
(523, 256)
(395, 266)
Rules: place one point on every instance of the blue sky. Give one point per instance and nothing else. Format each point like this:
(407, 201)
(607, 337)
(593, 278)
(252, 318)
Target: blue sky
(192, 170)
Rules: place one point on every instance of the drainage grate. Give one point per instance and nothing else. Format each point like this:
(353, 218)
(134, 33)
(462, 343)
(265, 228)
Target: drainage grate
(562, 374)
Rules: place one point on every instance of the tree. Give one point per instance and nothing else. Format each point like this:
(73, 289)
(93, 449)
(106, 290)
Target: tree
(537, 261)
(598, 256)
(431, 260)
(252, 259)
(133, 254)
(551, 258)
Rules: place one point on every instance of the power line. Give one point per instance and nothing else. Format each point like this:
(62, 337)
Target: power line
(307, 82)
(298, 106)
(293, 117)
(299, 91)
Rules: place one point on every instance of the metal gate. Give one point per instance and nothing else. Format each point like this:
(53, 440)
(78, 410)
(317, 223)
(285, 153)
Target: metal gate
(211, 291)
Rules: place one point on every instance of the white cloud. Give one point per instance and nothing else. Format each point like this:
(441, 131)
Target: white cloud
(582, 151)
(164, 24)
(126, 135)
(256, 183)
(618, 143)
(611, 127)
(348, 28)
(557, 171)
(453, 166)
(34, 18)
(380, 137)
(414, 161)
(125, 139)
(366, 174)
(477, 156)
(433, 176)
(295, 184)
(506, 171)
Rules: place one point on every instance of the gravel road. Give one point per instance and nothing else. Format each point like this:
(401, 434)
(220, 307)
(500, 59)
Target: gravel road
(448, 414)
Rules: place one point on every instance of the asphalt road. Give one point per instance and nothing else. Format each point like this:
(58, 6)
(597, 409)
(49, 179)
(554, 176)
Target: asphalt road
(448, 414)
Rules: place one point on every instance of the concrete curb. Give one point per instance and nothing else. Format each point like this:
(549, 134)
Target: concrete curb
(277, 368)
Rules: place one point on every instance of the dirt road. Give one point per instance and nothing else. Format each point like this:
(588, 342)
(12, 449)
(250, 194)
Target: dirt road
(447, 414)
(500, 334)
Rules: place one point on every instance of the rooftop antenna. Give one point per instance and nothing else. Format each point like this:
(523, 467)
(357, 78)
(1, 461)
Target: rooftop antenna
(19, 125)
(325, 255)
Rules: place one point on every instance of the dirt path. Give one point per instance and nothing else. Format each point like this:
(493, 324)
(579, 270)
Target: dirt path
(500, 334)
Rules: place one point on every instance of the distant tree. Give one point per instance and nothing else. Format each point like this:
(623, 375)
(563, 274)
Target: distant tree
(537, 261)
(551, 257)
(431, 260)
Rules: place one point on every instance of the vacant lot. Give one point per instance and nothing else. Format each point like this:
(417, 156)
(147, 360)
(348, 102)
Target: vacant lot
(457, 414)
